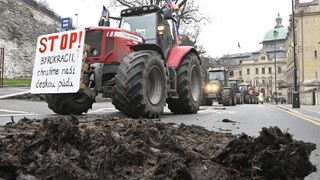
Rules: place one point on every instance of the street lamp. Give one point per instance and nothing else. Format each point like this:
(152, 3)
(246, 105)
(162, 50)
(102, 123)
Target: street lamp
(275, 35)
(77, 21)
(316, 74)
(295, 96)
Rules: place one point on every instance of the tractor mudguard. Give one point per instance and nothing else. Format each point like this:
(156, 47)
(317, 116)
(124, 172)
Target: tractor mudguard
(152, 47)
(177, 53)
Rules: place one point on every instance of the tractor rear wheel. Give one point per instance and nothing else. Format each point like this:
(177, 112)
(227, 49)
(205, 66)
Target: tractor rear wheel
(189, 86)
(207, 102)
(227, 99)
(141, 85)
(75, 103)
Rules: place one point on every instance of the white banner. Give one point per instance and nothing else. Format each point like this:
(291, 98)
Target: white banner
(58, 60)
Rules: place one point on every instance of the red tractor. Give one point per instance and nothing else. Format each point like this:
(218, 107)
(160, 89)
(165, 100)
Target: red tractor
(249, 93)
(139, 65)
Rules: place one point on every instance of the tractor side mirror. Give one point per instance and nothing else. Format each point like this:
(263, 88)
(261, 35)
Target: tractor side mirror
(167, 13)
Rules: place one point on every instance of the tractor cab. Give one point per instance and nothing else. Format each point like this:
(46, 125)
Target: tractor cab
(218, 75)
(155, 25)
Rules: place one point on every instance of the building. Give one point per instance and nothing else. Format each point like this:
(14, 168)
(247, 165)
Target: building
(264, 69)
(307, 28)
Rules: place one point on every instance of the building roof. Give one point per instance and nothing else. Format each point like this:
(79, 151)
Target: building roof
(280, 33)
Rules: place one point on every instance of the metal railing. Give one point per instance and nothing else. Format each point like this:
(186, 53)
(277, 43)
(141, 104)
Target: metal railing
(1, 65)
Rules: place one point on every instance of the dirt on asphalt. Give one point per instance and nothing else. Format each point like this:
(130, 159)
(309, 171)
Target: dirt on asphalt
(109, 147)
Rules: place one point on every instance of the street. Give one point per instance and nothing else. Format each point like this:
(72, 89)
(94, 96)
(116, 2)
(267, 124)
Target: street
(247, 118)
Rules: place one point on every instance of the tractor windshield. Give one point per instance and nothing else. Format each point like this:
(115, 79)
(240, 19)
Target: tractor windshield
(144, 25)
(243, 87)
(93, 39)
(216, 75)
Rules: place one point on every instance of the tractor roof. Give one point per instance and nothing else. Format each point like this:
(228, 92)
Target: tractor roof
(244, 84)
(217, 69)
(137, 11)
(235, 79)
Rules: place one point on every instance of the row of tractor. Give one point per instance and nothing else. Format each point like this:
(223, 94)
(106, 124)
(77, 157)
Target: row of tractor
(220, 87)
(139, 65)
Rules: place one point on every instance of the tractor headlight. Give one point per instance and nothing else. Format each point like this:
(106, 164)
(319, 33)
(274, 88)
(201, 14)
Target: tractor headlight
(212, 88)
(208, 87)
(94, 52)
(215, 88)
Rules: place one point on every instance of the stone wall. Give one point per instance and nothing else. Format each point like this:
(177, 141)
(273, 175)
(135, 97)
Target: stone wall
(20, 27)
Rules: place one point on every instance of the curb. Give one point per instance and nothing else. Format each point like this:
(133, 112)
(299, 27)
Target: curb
(299, 113)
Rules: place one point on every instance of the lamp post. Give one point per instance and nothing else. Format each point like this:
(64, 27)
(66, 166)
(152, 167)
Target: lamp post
(275, 35)
(295, 95)
(77, 20)
(316, 75)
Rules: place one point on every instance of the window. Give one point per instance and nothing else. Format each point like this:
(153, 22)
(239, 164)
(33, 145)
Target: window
(240, 73)
(279, 70)
(248, 71)
(257, 70)
(231, 73)
(270, 70)
(144, 25)
(263, 70)
(263, 58)
(263, 81)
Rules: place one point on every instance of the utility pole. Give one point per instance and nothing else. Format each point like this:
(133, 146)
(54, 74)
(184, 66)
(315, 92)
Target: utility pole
(295, 96)
(77, 16)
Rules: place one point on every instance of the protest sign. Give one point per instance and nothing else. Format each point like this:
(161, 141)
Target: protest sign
(58, 62)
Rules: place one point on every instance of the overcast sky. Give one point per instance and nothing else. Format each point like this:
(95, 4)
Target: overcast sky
(233, 21)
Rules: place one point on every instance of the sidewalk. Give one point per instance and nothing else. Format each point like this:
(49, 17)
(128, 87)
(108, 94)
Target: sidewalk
(308, 111)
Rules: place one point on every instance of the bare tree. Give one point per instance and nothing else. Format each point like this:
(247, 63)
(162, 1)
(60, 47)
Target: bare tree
(43, 3)
(189, 18)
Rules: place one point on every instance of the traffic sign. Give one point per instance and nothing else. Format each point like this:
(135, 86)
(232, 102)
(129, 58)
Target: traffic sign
(66, 23)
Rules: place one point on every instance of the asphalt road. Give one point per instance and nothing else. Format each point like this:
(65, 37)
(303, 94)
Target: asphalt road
(248, 119)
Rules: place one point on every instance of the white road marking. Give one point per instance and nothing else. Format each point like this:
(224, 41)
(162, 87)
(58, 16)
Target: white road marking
(209, 110)
(27, 114)
(102, 109)
(14, 94)
(12, 111)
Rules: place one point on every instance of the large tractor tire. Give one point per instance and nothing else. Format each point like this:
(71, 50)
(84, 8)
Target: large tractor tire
(227, 99)
(189, 86)
(75, 103)
(140, 85)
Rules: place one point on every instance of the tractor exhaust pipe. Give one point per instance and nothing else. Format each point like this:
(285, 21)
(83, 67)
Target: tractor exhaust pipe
(105, 16)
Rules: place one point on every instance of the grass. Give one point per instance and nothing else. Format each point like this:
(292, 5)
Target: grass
(15, 82)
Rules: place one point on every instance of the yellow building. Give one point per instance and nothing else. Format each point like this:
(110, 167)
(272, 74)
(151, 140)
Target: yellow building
(307, 31)
(264, 69)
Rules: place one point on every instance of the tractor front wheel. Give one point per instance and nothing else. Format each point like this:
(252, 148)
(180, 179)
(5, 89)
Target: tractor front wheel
(227, 99)
(141, 89)
(75, 103)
